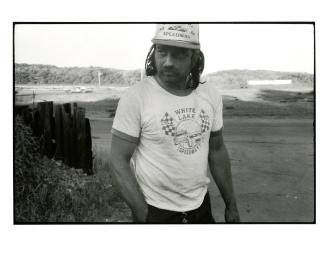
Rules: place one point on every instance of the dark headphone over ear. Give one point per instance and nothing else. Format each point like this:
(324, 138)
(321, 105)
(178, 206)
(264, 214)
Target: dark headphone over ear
(196, 71)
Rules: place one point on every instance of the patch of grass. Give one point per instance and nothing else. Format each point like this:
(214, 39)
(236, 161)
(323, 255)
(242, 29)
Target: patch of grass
(281, 104)
(108, 105)
(48, 191)
(285, 96)
(103, 108)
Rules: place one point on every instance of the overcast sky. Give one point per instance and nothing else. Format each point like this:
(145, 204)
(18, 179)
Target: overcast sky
(281, 47)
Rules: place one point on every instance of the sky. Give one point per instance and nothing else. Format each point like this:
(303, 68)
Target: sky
(279, 47)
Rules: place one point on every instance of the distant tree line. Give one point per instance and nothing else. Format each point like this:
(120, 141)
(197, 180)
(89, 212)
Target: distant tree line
(48, 74)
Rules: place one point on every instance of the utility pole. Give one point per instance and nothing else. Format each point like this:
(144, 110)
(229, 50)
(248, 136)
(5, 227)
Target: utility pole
(99, 77)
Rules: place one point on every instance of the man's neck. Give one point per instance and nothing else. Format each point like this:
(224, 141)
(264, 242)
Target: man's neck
(179, 89)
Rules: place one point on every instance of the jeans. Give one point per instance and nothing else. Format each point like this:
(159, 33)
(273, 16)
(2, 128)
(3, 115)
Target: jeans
(201, 215)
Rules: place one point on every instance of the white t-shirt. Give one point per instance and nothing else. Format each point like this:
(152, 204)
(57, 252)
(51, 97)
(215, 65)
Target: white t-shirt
(171, 158)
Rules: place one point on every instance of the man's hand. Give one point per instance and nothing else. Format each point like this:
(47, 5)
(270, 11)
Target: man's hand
(219, 164)
(140, 215)
(232, 215)
(124, 177)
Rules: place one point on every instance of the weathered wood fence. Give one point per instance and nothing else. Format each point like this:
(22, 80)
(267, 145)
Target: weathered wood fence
(64, 132)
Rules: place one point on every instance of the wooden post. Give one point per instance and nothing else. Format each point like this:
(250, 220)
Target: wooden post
(88, 164)
(33, 98)
(74, 145)
(68, 108)
(67, 135)
(41, 111)
(48, 129)
(59, 133)
(67, 126)
(80, 137)
(36, 122)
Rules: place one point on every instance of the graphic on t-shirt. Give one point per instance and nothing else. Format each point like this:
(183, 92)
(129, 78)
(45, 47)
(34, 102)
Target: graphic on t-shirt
(187, 129)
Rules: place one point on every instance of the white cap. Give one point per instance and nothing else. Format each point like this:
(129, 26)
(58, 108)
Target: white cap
(179, 35)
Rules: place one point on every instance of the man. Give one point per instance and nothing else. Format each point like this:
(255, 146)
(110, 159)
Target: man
(166, 131)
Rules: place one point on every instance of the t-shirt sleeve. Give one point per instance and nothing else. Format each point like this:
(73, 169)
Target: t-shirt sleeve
(128, 115)
(218, 113)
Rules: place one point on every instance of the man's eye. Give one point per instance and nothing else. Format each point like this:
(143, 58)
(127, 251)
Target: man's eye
(162, 52)
(181, 55)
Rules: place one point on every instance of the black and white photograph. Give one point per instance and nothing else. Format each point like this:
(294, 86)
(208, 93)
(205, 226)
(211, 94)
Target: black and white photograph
(164, 123)
(163, 127)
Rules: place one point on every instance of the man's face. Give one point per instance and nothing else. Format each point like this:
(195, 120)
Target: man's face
(173, 64)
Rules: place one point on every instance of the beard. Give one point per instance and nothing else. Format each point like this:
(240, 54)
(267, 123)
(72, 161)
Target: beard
(171, 76)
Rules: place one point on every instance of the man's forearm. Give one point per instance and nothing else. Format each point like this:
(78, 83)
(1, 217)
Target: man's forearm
(219, 164)
(128, 187)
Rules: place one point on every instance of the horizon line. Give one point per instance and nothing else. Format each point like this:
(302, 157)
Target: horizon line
(140, 69)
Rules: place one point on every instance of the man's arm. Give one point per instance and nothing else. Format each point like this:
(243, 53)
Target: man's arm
(120, 155)
(219, 164)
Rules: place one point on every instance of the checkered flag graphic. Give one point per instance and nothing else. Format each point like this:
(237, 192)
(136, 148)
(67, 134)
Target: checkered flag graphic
(205, 124)
(168, 125)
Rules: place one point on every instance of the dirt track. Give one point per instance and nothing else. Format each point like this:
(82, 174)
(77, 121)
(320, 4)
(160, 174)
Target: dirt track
(272, 166)
(273, 169)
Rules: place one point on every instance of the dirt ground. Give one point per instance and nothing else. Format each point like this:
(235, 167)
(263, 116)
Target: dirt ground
(273, 169)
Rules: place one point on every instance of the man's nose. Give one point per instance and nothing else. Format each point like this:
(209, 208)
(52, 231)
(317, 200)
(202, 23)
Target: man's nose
(169, 60)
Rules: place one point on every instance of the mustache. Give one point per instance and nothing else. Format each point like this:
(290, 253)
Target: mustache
(169, 70)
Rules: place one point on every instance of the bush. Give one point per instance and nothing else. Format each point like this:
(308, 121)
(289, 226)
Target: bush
(48, 191)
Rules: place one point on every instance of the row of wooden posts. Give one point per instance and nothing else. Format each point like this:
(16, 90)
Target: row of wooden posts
(64, 132)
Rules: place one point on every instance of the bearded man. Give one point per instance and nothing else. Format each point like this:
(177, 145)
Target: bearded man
(167, 131)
